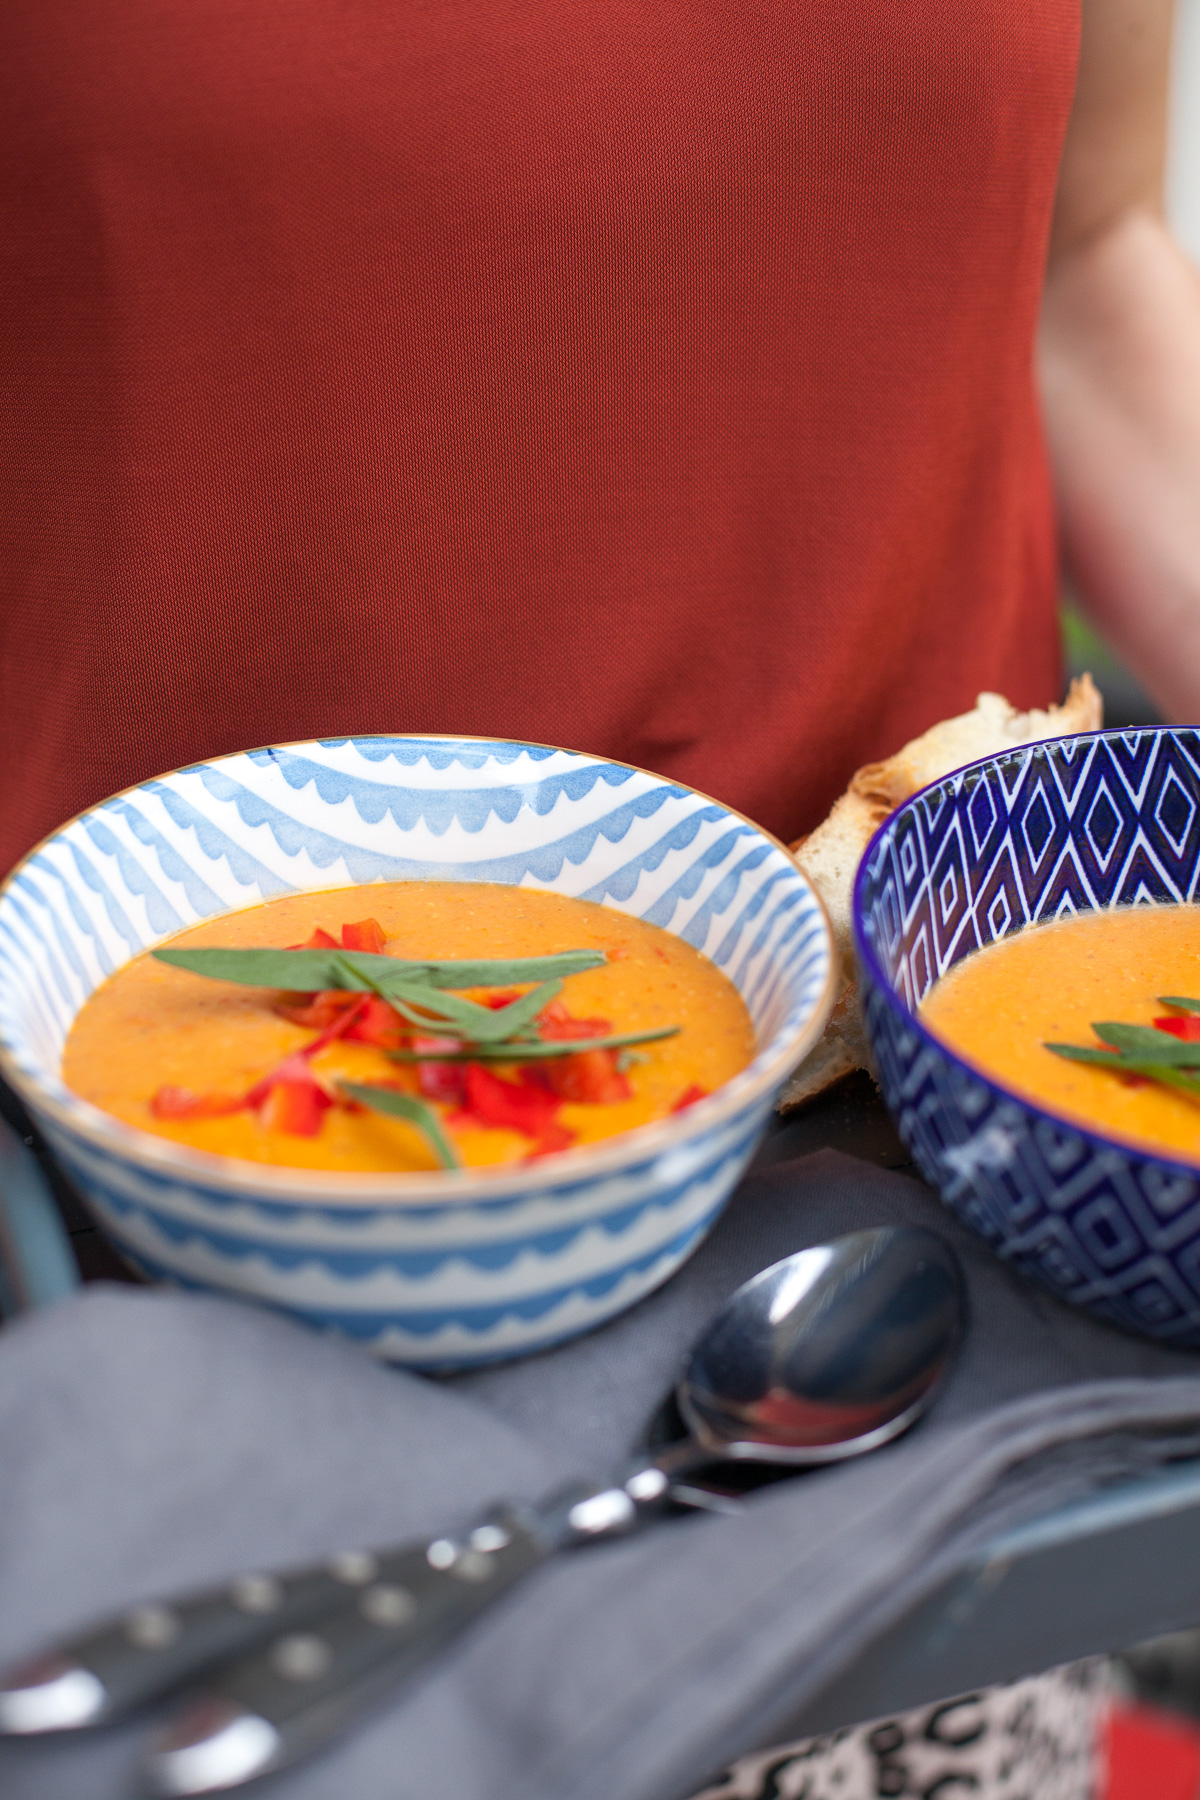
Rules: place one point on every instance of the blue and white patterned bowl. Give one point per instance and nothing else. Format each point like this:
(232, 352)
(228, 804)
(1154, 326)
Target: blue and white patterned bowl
(444, 1269)
(1082, 823)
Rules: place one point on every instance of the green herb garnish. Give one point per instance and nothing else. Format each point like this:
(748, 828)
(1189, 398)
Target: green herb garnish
(1154, 1052)
(316, 971)
(528, 1049)
(408, 1107)
(417, 990)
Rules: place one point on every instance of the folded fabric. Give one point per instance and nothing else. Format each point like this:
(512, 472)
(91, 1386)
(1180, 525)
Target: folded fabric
(150, 1441)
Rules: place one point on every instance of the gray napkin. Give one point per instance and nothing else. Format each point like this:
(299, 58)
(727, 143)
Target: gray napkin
(150, 1440)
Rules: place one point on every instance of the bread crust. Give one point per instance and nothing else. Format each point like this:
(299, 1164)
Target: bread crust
(830, 855)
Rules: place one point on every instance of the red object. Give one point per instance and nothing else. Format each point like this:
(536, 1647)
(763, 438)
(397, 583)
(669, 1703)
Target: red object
(182, 1103)
(689, 1097)
(659, 384)
(443, 1081)
(295, 1107)
(524, 1106)
(292, 1068)
(590, 1076)
(377, 1023)
(320, 940)
(1186, 1027)
(319, 1011)
(1150, 1755)
(291, 1098)
(367, 934)
(562, 1029)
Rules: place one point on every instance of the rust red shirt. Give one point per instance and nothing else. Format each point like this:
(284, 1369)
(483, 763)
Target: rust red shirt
(651, 377)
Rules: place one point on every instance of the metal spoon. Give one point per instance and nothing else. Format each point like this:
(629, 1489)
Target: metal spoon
(826, 1355)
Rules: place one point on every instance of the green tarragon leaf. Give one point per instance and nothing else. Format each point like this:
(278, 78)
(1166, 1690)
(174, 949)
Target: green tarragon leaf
(1148, 1045)
(1169, 1072)
(316, 971)
(534, 1049)
(409, 1108)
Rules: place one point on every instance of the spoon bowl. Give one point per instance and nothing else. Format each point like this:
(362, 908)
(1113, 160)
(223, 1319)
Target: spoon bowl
(827, 1354)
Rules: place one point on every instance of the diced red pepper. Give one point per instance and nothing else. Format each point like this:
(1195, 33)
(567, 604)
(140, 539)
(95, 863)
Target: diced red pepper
(320, 940)
(497, 999)
(292, 1068)
(554, 1137)
(443, 1081)
(1186, 1028)
(377, 1023)
(619, 953)
(557, 1026)
(524, 1106)
(318, 1011)
(689, 1097)
(590, 1076)
(565, 1031)
(182, 1103)
(295, 1107)
(367, 934)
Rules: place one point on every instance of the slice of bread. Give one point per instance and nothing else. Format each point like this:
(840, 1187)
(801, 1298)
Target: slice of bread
(830, 855)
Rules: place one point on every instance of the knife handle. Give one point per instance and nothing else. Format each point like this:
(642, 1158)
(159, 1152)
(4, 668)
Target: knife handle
(300, 1689)
(128, 1662)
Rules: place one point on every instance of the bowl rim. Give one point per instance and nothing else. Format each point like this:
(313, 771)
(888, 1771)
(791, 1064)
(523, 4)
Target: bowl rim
(281, 1183)
(878, 977)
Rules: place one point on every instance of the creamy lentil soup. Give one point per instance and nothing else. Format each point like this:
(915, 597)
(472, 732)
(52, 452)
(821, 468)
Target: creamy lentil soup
(1074, 1013)
(305, 1075)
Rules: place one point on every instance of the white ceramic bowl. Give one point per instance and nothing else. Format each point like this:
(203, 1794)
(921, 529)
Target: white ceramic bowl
(442, 1269)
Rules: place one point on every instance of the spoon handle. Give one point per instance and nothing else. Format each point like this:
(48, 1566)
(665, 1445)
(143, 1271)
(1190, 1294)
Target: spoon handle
(106, 1672)
(286, 1698)
(290, 1696)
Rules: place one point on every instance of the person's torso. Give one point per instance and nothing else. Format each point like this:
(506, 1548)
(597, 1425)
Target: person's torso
(651, 378)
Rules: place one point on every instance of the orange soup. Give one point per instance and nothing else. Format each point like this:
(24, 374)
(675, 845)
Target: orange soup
(1053, 984)
(306, 1076)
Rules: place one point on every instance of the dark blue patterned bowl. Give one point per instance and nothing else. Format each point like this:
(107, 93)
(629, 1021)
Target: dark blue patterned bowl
(1102, 820)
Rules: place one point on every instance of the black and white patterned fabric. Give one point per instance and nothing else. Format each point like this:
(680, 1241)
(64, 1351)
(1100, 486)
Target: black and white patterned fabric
(1036, 1739)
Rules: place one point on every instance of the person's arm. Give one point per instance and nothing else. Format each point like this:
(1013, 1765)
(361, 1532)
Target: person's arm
(1120, 362)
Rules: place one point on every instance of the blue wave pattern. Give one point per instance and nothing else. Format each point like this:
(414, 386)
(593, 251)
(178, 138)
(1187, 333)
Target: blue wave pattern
(230, 833)
(1110, 819)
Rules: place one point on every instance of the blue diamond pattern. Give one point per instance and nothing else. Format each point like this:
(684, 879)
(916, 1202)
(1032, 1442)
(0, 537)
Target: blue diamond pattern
(1091, 822)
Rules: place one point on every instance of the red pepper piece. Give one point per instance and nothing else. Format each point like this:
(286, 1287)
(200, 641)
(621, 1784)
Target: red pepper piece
(295, 1107)
(320, 940)
(377, 1023)
(182, 1103)
(566, 1030)
(554, 1137)
(444, 1081)
(504, 997)
(524, 1106)
(292, 1068)
(689, 1097)
(282, 1105)
(1186, 1028)
(318, 1011)
(367, 934)
(590, 1076)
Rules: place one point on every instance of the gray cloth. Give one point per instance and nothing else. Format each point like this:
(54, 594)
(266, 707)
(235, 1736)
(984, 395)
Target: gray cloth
(151, 1440)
